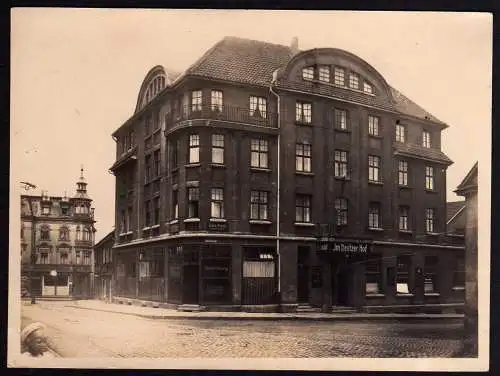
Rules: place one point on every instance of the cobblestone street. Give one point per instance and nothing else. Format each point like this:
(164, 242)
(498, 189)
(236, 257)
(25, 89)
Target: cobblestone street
(85, 333)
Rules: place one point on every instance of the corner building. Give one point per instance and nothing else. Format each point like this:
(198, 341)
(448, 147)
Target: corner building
(264, 176)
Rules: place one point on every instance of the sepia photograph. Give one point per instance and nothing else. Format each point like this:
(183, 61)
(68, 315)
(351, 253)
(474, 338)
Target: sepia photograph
(237, 189)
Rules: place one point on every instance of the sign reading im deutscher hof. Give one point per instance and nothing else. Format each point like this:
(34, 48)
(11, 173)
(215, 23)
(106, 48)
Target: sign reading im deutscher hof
(288, 196)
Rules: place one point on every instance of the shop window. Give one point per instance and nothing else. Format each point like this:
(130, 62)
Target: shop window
(402, 274)
(373, 275)
(430, 274)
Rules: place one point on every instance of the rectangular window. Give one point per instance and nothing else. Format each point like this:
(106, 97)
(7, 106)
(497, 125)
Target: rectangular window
(196, 100)
(373, 275)
(402, 274)
(174, 155)
(324, 74)
(194, 148)
(374, 168)
(258, 205)
(374, 215)
(339, 76)
(403, 173)
(258, 106)
(341, 211)
(303, 157)
(218, 148)
(426, 139)
(217, 203)
(373, 128)
(123, 225)
(353, 81)
(156, 214)
(148, 168)
(64, 258)
(147, 213)
(340, 119)
(403, 218)
(157, 121)
(46, 210)
(429, 220)
(44, 258)
(156, 158)
(175, 204)
(367, 88)
(193, 202)
(86, 257)
(128, 225)
(217, 100)
(303, 112)
(259, 152)
(303, 208)
(147, 124)
(430, 274)
(341, 163)
(429, 178)
(78, 256)
(400, 133)
(308, 73)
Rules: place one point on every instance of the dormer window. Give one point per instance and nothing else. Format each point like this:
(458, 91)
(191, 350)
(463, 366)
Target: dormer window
(353, 81)
(367, 88)
(324, 74)
(308, 73)
(339, 76)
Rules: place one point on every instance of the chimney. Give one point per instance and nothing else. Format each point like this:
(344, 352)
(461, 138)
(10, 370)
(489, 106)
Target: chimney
(294, 46)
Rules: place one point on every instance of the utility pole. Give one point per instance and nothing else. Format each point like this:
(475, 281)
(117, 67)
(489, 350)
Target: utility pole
(33, 256)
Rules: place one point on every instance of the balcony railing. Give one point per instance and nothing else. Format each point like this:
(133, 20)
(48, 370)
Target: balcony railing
(224, 113)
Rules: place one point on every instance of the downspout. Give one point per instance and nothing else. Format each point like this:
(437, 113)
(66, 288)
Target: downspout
(275, 77)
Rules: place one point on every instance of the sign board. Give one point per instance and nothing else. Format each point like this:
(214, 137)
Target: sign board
(353, 247)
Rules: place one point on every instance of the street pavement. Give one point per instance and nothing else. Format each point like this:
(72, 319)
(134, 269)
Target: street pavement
(77, 332)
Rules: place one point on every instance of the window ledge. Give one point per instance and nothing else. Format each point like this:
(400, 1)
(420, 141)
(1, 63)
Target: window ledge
(188, 220)
(173, 222)
(155, 226)
(405, 231)
(375, 229)
(375, 182)
(259, 222)
(342, 130)
(405, 295)
(297, 122)
(342, 178)
(458, 288)
(146, 228)
(378, 137)
(192, 165)
(260, 169)
(304, 173)
(220, 220)
(304, 224)
(401, 186)
(217, 165)
(430, 190)
(432, 294)
(375, 295)
(432, 233)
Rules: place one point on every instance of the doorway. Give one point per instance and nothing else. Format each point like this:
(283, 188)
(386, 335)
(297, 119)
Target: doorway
(191, 284)
(343, 286)
(303, 275)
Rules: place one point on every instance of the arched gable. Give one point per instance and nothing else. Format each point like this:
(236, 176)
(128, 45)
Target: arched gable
(334, 57)
(155, 81)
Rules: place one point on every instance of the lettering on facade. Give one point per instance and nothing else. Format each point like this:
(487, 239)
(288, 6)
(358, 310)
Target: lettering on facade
(346, 247)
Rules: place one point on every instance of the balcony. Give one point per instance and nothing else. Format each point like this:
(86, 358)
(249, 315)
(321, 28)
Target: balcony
(223, 113)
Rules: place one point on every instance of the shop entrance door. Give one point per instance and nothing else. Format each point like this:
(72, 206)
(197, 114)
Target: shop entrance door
(343, 286)
(191, 284)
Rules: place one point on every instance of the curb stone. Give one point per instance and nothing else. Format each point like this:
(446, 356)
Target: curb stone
(289, 317)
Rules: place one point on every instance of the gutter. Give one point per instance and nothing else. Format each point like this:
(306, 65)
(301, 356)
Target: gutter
(275, 75)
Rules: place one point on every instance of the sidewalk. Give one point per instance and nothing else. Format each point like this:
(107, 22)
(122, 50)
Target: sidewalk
(162, 313)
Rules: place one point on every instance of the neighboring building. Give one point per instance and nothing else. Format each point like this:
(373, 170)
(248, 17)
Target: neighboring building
(103, 266)
(63, 239)
(468, 188)
(455, 218)
(264, 175)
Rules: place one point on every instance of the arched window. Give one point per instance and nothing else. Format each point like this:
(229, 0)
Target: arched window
(78, 233)
(86, 234)
(64, 234)
(45, 233)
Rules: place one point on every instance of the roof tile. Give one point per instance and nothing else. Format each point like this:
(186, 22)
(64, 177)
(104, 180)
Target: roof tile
(414, 150)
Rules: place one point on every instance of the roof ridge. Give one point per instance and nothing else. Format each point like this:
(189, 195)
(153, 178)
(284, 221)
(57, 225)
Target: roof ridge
(229, 37)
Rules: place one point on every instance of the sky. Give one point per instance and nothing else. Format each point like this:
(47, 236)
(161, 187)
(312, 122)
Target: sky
(76, 74)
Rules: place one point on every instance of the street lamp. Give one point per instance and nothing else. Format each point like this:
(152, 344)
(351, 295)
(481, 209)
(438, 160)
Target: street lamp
(33, 256)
